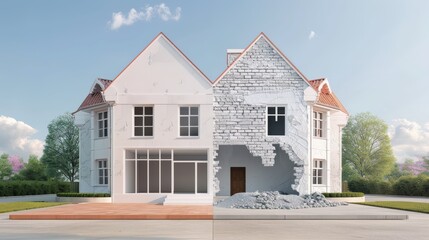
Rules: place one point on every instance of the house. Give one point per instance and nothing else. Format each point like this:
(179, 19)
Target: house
(162, 132)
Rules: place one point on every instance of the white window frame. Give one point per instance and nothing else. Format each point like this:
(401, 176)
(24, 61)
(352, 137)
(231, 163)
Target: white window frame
(102, 179)
(103, 124)
(276, 115)
(318, 173)
(143, 126)
(189, 126)
(318, 124)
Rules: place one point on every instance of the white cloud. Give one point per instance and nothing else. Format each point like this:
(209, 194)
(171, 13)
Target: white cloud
(409, 139)
(311, 35)
(146, 14)
(16, 138)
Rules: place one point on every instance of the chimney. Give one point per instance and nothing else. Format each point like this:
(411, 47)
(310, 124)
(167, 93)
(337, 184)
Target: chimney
(232, 54)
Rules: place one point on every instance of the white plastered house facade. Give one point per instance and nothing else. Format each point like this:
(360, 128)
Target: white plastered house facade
(162, 132)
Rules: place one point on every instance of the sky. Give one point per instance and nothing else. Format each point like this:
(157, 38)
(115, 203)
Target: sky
(374, 54)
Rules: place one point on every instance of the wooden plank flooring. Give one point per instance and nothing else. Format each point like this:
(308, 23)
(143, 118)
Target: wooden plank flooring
(117, 211)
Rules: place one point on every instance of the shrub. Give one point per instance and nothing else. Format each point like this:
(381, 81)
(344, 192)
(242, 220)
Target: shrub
(67, 194)
(411, 185)
(345, 187)
(343, 194)
(19, 188)
(370, 186)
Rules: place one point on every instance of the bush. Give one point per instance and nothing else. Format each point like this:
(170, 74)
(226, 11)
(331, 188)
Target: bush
(67, 194)
(20, 188)
(370, 186)
(343, 194)
(345, 187)
(411, 185)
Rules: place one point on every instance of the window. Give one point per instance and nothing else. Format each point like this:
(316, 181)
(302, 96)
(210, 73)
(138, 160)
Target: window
(103, 172)
(166, 171)
(276, 120)
(318, 124)
(143, 121)
(318, 172)
(189, 121)
(102, 124)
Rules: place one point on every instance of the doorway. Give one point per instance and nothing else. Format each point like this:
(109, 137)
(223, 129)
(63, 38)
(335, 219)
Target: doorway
(238, 180)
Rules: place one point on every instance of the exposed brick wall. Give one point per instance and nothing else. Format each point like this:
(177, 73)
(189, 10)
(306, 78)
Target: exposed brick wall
(260, 78)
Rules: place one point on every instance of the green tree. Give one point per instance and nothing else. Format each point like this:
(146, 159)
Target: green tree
(367, 151)
(61, 153)
(33, 170)
(5, 167)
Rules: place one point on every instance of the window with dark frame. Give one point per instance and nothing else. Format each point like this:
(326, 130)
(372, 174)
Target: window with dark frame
(143, 121)
(102, 120)
(276, 121)
(318, 172)
(103, 172)
(189, 118)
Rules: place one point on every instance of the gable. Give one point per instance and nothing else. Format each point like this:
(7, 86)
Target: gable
(160, 69)
(267, 60)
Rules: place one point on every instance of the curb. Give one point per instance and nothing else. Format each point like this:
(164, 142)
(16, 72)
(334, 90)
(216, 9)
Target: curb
(310, 217)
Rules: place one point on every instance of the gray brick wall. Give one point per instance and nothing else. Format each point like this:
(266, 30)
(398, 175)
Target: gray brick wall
(260, 78)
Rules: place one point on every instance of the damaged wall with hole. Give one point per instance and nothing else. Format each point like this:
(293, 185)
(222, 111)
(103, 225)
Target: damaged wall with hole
(261, 77)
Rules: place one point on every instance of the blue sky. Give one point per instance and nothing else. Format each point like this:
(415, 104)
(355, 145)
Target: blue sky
(374, 53)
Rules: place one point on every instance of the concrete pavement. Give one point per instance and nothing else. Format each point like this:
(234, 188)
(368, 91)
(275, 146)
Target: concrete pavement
(377, 197)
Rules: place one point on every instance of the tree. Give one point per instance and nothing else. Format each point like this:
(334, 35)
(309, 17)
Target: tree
(367, 151)
(33, 170)
(16, 163)
(5, 167)
(61, 153)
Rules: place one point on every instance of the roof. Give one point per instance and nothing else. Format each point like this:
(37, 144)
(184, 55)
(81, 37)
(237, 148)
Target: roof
(261, 35)
(95, 97)
(325, 96)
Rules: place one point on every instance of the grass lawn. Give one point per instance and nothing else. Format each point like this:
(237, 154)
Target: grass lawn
(17, 206)
(408, 206)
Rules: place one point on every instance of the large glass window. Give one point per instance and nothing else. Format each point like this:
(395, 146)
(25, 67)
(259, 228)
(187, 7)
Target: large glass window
(143, 121)
(318, 171)
(318, 124)
(166, 171)
(189, 121)
(276, 121)
(102, 121)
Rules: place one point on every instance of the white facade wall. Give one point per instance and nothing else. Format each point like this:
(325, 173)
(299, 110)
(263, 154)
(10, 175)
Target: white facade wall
(163, 78)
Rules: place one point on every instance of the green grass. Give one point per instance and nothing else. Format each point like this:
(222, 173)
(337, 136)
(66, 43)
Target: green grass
(18, 206)
(407, 206)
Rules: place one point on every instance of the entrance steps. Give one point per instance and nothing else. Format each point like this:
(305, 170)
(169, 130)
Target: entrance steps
(188, 199)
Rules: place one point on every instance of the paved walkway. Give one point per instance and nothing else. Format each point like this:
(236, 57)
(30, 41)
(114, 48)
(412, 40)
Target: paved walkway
(377, 197)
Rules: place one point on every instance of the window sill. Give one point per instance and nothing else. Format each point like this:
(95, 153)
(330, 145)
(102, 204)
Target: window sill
(101, 138)
(188, 137)
(142, 137)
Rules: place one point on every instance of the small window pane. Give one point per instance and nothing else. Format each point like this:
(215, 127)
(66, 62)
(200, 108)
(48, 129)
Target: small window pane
(153, 154)
(271, 110)
(106, 180)
(138, 131)
(183, 131)
(194, 131)
(105, 164)
(99, 164)
(138, 121)
(281, 110)
(166, 154)
(320, 164)
(100, 180)
(100, 115)
(100, 172)
(138, 110)
(148, 131)
(100, 133)
(194, 110)
(184, 110)
(183, 121)
(130, 154)
(142, 154)
(105, 132)
(105, 114)
(320, 115)
(105, 123)
(148, 110)
(148, 121)
(194, 121)
(105, 172)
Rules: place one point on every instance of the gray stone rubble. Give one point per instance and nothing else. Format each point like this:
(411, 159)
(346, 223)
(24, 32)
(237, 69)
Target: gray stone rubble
(275, 200)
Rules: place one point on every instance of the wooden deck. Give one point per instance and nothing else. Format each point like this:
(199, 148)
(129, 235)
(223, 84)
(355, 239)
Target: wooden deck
(117, 211)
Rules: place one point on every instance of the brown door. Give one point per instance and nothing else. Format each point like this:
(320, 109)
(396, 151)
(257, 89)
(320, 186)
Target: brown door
(238, 180)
